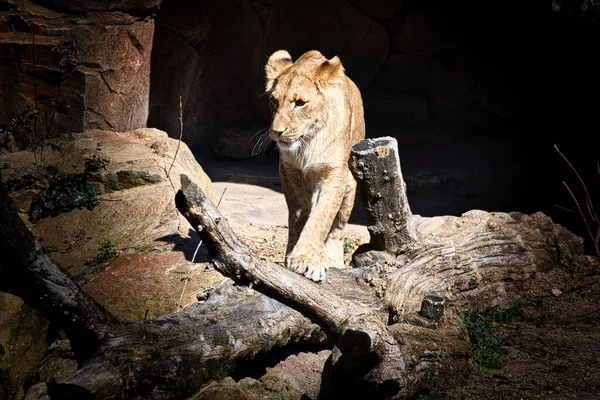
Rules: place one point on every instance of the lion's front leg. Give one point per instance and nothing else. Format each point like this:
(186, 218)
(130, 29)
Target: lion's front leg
(308, 256)
(334, 244)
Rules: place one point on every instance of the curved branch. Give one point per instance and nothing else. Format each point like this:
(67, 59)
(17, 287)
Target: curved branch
(367, 346)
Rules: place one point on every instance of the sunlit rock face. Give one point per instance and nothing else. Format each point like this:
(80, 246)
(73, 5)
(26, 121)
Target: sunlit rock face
(84, 64)
(136, 193)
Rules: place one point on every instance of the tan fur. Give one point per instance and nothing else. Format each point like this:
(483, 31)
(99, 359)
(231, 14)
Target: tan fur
(314, 141)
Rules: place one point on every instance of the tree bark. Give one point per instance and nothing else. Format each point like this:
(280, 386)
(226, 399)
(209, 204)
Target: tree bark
(375, 164)
(369, 354)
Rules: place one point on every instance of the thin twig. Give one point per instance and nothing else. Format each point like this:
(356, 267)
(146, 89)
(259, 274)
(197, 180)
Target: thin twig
(180, 135)
(588, 199)
(564, 209)
(590, 206)
(187, 275)
(581, 214)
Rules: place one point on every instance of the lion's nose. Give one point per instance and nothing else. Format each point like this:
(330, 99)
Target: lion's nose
(277, 132)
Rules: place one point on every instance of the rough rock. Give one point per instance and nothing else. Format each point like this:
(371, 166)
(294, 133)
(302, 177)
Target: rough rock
(447, 92)
(146, 286)
(89, 70)
(22, 344)
(208, 53)
(334, 28)
(420, 34)
(306, 368)
(406, 109)
(405, 74)
(378, 9)
(104, 5)
(137, 208)
(136, 213)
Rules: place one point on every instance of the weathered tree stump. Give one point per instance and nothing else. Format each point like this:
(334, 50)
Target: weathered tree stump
(375, 164)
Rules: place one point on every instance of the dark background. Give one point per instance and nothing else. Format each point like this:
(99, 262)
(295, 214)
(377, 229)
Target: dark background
(476, 93)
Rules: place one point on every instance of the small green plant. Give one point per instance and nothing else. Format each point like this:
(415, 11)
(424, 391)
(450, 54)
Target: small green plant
(106, 251)
(488, 355)
(61, 192)
(95, 163)
(348, 245)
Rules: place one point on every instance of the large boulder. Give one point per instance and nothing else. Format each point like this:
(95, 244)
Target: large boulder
(136, 214)
(83, 69)
(22, 344)
(136, 207)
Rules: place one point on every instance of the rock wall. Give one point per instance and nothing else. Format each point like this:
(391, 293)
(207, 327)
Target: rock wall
(209, 53)
(414, 62)
(85, 64)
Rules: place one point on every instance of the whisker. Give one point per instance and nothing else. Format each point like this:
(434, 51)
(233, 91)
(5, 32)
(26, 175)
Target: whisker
(266, 144)
(256, 146)
(261, 145)
(259, 132)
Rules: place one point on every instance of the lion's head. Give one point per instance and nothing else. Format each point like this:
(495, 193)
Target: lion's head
(304, 96)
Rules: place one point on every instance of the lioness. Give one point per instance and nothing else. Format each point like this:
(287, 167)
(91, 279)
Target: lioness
(317, 117)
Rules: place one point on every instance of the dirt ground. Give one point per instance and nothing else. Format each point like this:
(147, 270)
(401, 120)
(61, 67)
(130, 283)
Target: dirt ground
(552, 350)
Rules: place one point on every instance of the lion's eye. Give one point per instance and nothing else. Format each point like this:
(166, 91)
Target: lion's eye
(299, 103)
(273, 102)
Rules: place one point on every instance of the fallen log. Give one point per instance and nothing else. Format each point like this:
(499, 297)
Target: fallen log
(392, 322)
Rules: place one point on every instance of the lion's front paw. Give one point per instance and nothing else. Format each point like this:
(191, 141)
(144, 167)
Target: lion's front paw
(308, 261)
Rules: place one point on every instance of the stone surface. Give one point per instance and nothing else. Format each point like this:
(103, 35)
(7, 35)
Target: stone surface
(136, 213)
(405, 74)
(132, 213)
(146, 286)
(419, 33)
(208, 53)
(378, 9)
(447, 92)
(103, 5)
(90, 70)
(334, 28)
(22, 344)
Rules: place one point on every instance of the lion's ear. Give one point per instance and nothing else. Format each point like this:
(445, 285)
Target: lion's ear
(278, 61)
(330, 70)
